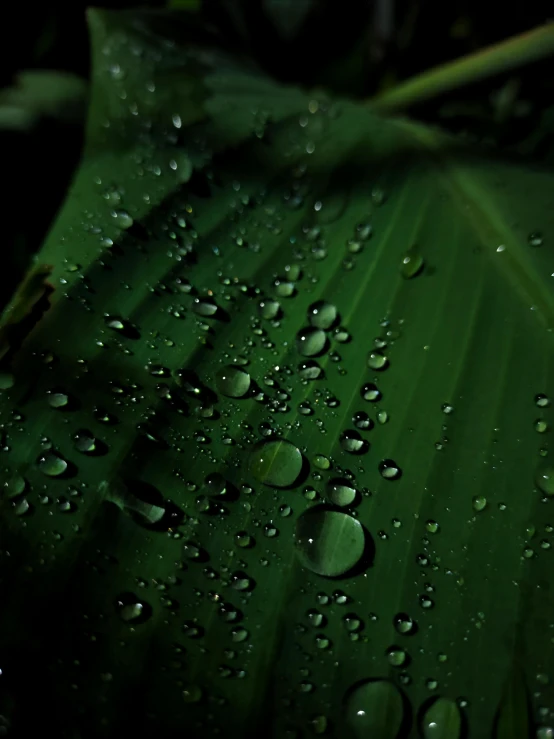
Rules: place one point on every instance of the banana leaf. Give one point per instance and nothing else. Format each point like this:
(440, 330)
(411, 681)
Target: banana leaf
(277, 454)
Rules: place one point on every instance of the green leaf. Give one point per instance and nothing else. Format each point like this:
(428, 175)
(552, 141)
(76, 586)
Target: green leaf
(513, 719)
(158, 573)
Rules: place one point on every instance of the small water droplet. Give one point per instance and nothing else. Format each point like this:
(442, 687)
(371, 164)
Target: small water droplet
(371, 392)
(412, 264)
(479, 502)
(389, 469)
(544, 479)
(535, 238)
(376, 360)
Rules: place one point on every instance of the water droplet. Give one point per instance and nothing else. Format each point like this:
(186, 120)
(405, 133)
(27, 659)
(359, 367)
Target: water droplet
(479, 502)
(52, 464)
(389, 469)
(397, 656)
(352, 442)
(544, 479)
(132, 609)
(7, 380)
(374, 709)
(382, 417)
(322, 462)
(371, 392)
(404, 623)
(442, 719)
(377, 361)
(340, 492)
(412, 264)
(543, 401)
(232, 381)
(322, 315)
(362, 421)
(204, 306)
(276, 462)
(15, 486)
(123, 219)
(215, 485)
(57, 399)
(310, 370)
(535, 238)
(432, 526)
(541, 426)
(269, 309)
(310, 341)
(192, 693)
(84, 441)
(329, 542)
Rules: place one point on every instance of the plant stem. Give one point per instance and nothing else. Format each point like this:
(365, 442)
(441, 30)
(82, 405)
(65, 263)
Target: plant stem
(511, 54)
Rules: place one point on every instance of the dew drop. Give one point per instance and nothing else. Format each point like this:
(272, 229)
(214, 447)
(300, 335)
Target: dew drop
(442, 719)
(310, 341)
(479, 502)
(322, 315)
(340, 492)
(544, 479)
(268, 309)
(389, 469)
(310, 370)
(377, 361)
(276, 462)
(232, 381)
(328, 542)
(404, 623)
(374, 709)
(204, 306)
(352, 442)
(51, 464)
(397, 657)
(7, 380)
(535, 238)
(371, 392)
(412, 264)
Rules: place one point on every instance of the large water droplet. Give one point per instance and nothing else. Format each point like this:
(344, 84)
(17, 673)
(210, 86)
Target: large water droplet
(374, 710)
(310, 341)
(276, 462)
(329, 542)
(232, 381)
(442, 720)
